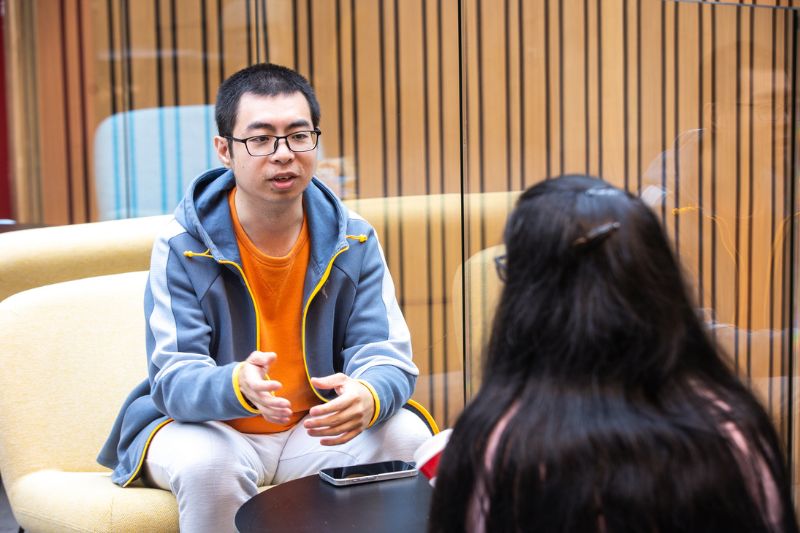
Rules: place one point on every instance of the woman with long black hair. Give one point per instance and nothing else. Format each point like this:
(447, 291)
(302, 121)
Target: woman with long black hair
(605, 406)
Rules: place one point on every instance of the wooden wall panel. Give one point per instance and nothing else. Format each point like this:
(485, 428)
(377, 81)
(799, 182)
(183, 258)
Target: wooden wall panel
(534, 92)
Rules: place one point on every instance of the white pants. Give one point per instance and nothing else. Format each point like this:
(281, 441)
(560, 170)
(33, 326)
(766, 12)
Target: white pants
(213, 469)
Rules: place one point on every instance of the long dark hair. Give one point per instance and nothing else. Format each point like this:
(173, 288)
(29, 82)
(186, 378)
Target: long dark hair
(625, 416)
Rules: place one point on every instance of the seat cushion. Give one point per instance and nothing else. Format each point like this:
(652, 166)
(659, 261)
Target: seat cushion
(50, 500)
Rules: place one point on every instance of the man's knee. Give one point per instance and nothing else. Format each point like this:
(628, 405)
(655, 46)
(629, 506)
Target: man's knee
(401, 434)
(176, 459)
(408, 423)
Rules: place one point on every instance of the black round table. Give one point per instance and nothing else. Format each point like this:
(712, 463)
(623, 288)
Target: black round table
(310, 504)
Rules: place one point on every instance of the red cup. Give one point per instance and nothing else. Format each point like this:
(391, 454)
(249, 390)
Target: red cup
(428, 454)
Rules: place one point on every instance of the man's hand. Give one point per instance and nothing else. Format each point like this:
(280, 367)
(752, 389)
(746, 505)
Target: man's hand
(344, 417)
(261, 391)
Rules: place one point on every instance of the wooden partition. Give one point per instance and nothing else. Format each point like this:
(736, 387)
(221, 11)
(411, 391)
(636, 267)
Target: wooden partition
(691, 104)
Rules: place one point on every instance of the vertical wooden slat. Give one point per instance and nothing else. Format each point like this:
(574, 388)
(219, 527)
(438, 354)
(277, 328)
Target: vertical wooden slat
(67, 106)
(236, 42)
(492, 78)
(792, 203)
(522, 115)
(5, 167)
(369, 126)
(472, 94)
(613, 95)
(536, 89)
(591, 82)
(511, 105)
(86, 93)
(72, 101)
(50, 74)
(327, 83)
(451, 178)
(549, 84)
(688, 134)
(701, 47)
(23, 112)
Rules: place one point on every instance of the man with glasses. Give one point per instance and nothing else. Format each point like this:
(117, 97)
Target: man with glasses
(276, 346)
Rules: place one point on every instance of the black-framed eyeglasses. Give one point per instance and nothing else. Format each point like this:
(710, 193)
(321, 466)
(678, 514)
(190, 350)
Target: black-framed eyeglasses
(264, 145)
(501, 266)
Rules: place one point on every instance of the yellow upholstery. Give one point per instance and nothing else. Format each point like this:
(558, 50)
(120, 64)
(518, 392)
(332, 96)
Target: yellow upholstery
(36, 257)
(51, 500)
(71, 352)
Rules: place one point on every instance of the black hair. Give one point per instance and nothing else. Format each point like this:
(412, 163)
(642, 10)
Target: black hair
(264, 79)
(623, 414)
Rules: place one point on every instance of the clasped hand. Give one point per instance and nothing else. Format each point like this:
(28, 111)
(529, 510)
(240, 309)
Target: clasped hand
(337, 421)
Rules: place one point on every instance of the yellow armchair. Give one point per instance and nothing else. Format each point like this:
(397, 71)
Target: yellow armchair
(70, 353)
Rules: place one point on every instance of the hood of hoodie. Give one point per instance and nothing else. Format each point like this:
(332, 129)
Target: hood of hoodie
(206, 215)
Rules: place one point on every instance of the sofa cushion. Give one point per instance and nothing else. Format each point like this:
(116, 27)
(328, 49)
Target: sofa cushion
(50, 500)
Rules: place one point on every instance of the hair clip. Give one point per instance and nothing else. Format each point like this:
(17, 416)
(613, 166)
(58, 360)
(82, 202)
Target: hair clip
(596, 233)
(603, 191)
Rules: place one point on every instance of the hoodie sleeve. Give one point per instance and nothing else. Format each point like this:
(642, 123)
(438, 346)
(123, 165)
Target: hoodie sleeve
(377, 341)
(186, 383)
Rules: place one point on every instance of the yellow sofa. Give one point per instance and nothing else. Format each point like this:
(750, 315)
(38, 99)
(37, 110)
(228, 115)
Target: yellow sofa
(73, 350)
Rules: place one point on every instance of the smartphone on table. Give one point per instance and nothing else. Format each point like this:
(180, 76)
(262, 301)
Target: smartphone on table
(352, 475)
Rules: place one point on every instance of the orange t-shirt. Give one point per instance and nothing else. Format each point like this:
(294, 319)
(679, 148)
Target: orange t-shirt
(277, 286)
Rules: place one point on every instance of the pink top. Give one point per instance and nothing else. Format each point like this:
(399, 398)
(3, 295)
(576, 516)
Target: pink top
(479, 505)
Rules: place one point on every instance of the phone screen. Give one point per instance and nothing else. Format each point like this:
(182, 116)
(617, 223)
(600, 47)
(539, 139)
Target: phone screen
(349, 475)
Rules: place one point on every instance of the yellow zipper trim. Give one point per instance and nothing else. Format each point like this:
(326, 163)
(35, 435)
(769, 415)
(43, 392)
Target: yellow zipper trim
(258, 333)
(144, 452)
(250, 292)
(235, 376)
(207, 254)
(305, 313)
(360, 238)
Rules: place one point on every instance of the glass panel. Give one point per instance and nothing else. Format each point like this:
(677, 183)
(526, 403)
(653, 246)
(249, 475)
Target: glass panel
(688, 105)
